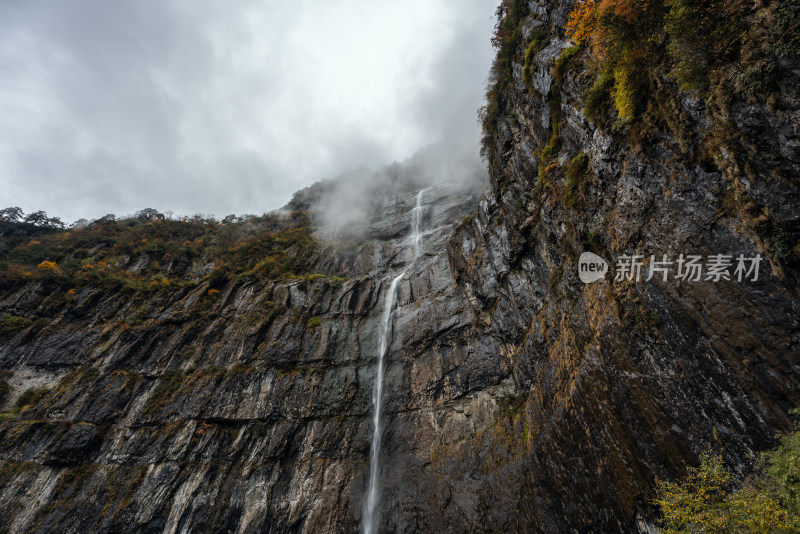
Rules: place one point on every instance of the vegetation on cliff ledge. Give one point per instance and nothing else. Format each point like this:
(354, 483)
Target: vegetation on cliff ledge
(639, 69)
(507, 38)
(768, 502)
(152, 252)
(713, 49)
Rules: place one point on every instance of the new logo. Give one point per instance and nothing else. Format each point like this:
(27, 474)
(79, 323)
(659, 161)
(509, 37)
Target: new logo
(591, 268)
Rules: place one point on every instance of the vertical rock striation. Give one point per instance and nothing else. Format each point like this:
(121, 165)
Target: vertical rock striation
(516, 398)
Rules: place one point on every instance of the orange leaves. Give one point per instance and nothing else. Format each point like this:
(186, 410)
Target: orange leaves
(49, 267)
(202, 428)
(582, 22)
(92, 270)
(598, 21)
(16, 271)
(158, 280)
(623, 36)
(628, 10)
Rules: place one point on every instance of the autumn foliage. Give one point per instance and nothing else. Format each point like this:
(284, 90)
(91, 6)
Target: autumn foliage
(714, 48)
(621, 35)
(507, 38)
(49, 267)
(156, 254)
(707, 498)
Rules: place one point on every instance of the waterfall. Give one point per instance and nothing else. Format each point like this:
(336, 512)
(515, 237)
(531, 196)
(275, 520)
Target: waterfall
(373, 496)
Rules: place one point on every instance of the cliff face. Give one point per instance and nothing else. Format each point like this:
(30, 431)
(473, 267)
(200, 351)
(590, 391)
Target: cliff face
(517, 397)
(621, 382)
(247, 411)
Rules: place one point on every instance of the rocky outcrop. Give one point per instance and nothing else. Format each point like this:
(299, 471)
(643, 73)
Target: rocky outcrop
(243, 412)
(621, 383)
(517, 397)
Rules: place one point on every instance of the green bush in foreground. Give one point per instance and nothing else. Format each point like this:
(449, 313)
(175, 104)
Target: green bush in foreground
(704, 500)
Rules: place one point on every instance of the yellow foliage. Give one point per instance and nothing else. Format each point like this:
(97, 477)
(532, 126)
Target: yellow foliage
(704, 502)
(212, 292)
(615, 31)
(625, 92)
(159, 280)
(582, 22)
(755, 511)
(49, 267)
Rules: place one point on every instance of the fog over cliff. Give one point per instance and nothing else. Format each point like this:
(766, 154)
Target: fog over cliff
(215, 108)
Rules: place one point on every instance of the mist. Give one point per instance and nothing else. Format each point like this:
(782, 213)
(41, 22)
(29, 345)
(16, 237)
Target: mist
(208, 107)
(346, 206)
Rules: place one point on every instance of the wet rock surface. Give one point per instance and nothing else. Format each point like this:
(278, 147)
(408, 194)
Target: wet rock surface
(238, 413)
(517, 398)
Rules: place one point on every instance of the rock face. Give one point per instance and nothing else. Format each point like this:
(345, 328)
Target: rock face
(517, 397)
(248, 413)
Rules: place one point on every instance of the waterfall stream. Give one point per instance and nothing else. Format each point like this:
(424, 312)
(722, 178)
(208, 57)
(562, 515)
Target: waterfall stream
(373, 495)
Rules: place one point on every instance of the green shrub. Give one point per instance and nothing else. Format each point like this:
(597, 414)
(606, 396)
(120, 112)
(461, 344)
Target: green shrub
(89, 375)
(548, 153)
(219, 277)
(705, 500)
(563, 60)
(269, 247)
(629, 91)
(783, 472)
(716, 50)
(577, 167)
(337, 281)
(787, 28)
(702, 38)
(11, 324)
(538, 41)
(239, 368)
(597, 98)
(30, 397)
(551, 150)
(507, 39)
(169, 384)
(313, 323)
(576, 179)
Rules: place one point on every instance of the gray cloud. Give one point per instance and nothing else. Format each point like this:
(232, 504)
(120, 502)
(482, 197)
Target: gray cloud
(207, 106)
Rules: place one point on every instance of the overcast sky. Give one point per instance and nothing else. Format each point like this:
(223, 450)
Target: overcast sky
(220, 106)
